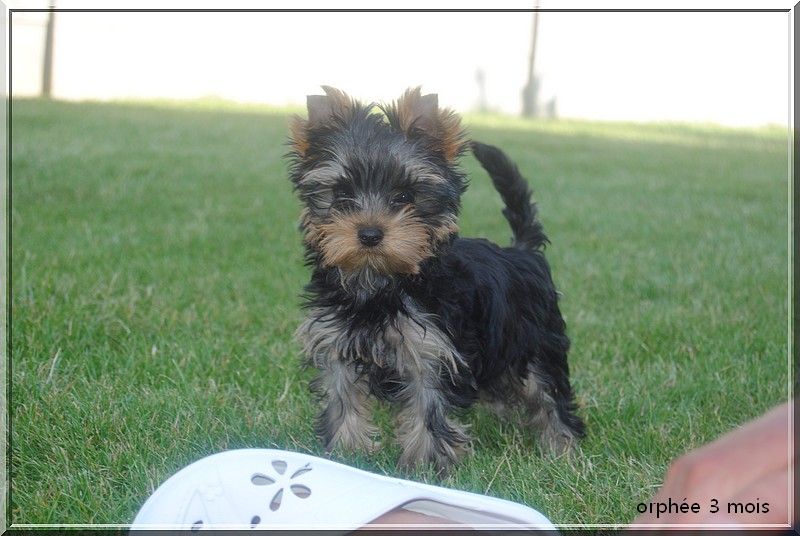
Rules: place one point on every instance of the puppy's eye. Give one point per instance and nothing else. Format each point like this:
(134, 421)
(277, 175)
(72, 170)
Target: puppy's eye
(403, 198)
(342, 199)
(340, 193)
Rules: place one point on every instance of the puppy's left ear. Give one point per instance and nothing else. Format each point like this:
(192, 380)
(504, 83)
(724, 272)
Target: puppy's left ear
(417, 115)
(322, 110)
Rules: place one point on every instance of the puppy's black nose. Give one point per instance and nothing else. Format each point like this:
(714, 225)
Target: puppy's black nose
(370, 236)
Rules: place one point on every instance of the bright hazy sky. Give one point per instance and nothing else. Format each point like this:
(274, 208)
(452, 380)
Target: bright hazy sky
(729, 68)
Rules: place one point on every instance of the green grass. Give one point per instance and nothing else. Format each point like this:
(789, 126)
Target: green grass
(157, 266)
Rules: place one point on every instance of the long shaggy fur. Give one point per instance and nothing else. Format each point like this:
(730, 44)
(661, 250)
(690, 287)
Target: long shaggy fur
(424, 319)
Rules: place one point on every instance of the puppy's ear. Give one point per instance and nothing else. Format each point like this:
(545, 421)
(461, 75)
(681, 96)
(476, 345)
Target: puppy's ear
(322, 110)
(417, 115)
(334, 104)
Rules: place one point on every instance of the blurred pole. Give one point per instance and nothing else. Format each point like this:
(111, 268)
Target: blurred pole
(483, 102)
(531, 90)
(47, 64)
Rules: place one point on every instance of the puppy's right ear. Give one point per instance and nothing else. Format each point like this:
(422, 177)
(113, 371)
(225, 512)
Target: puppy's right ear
(322, 111)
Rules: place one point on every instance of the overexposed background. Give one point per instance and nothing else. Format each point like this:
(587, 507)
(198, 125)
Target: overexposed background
(727, 68)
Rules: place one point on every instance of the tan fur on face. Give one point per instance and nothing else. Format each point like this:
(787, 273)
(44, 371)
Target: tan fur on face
(404, 246)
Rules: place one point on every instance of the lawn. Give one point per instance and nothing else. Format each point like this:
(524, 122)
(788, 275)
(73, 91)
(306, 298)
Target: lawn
(156, 268)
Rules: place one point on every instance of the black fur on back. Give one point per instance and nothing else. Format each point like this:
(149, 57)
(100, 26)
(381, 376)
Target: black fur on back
(500, 307)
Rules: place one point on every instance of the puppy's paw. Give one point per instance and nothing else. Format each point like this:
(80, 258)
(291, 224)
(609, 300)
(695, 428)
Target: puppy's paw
(440, 464)
(558, 444)
(372, 446)
(366, 443)
(434, 452)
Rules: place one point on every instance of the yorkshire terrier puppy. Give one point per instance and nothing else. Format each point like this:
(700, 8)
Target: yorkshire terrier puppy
(402, 309)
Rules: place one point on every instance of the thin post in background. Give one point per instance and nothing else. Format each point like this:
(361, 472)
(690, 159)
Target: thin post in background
(47, 63)
(531, 90)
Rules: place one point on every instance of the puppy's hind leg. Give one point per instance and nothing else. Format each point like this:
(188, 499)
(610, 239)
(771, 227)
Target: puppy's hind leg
(551, 412)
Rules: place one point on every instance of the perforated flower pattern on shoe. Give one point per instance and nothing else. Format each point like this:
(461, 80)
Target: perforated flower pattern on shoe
(282, 481)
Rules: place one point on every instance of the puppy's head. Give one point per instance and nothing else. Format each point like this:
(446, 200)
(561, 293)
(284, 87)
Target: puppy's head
(381, 191)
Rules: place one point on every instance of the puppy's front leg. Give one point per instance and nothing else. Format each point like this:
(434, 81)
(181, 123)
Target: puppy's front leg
(346, 418)
(425, 432)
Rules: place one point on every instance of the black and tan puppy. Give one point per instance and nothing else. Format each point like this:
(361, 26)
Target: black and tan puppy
(399, 306)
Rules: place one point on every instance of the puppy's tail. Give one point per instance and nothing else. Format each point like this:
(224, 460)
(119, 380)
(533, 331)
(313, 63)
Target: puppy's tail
(513, 188)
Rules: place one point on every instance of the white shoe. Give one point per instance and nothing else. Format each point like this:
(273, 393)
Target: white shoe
(269, 489)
